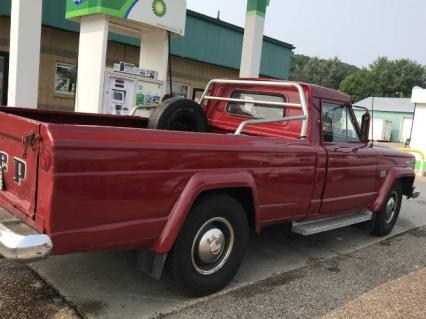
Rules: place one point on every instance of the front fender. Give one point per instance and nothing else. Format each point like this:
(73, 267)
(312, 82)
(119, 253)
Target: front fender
(393, 175)
(199, 183)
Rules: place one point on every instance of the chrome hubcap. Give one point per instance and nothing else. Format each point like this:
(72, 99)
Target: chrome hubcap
(391, 207)
(212, 246)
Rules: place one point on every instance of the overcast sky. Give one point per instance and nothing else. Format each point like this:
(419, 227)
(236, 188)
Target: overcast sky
(356, 31)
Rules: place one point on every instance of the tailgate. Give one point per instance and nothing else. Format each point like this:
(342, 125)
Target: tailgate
(19, 161)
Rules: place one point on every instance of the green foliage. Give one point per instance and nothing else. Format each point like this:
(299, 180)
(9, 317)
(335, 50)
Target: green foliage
(385, 78)
(358, 85)
(329, 73)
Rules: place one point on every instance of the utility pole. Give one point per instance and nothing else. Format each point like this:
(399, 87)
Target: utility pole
(253, 38)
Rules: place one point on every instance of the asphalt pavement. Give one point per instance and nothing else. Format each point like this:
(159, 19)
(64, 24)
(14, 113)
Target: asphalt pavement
(384, 280)
(24, 295)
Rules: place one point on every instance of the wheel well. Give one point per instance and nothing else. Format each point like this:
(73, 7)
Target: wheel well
(407, 184)
(243, 195)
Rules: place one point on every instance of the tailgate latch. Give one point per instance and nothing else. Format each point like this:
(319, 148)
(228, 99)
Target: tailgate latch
(29, 141)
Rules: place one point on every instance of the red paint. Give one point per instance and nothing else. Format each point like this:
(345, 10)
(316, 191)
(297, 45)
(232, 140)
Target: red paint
(104, 182)
(21, 194)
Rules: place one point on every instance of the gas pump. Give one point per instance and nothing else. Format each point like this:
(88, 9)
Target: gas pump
(125, 89)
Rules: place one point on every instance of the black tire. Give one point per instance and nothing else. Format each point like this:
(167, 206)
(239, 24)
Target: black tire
(179, 115)
(385, 219)
(189, 273)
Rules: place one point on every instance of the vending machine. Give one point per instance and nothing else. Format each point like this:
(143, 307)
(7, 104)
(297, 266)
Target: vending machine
(128, 87)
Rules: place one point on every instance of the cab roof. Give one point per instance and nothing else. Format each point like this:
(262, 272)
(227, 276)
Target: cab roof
(316, 90)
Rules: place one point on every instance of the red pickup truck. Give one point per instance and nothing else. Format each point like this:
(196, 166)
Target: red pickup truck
(252, 153)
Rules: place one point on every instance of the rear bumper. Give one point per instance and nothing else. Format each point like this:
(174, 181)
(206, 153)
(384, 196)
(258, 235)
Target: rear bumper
(18, 241)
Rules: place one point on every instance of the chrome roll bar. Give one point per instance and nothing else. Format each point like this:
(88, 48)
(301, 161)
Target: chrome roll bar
(303, 104)
(256, 122)
(140, 107)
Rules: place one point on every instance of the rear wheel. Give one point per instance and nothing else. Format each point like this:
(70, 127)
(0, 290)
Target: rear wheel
(211, 246)
(385, 219)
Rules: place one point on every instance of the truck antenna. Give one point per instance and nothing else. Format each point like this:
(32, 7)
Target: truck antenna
(170, 62)
(372, 121)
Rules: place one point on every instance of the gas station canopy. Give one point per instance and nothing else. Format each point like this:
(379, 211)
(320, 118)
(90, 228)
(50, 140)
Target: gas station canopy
(149, 20)
(136, 14)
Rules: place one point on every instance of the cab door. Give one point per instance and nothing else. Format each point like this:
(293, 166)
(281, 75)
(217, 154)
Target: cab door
(351, 165)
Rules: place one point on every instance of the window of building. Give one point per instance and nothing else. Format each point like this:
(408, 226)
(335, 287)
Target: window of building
(65, 79)
(337, 124)
(196, 94)
(180, 90)
(4, 70)
(257, 110)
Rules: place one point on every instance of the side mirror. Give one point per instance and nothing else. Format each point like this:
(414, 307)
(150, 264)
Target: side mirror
(365, 127)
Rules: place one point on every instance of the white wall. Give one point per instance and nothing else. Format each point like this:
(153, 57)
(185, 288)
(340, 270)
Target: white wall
(418, 139)
(252, 46)
(154, 54)
(24, 63)
(91, 63)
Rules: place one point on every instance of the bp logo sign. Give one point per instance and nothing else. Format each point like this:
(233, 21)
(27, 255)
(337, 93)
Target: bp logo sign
(159, 8)
(163, 14)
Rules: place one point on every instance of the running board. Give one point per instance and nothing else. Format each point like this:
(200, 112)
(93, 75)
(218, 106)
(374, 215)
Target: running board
(322, 225)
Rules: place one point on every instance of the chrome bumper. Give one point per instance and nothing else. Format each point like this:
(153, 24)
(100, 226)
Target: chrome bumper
(18, 241)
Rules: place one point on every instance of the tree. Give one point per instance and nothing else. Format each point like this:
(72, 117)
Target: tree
(358, 85)
(385, 78)
(298, 62)
(325, 72)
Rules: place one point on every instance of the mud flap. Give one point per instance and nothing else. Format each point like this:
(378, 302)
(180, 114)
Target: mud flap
(151, 263)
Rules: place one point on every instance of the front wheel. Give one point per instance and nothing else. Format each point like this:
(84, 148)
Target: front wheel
(385, 219)
(211, 246)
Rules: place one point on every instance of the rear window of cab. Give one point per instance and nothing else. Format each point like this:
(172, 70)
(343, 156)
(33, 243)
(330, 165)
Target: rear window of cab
(257, 109)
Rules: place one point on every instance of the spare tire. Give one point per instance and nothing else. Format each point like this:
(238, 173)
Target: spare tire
(179, 115)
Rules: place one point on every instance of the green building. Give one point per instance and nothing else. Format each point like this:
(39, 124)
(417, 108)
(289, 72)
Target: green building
(399, 111)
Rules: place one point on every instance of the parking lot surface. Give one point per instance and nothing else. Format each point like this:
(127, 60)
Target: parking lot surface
(23, 294)
(340, 287)
(403, 297)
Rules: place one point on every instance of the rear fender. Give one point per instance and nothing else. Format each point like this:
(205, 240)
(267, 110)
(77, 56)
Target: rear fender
(199, 183)
(394, 174)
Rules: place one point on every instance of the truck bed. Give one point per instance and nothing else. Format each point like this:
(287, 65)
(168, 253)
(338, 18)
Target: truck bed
(63, 117)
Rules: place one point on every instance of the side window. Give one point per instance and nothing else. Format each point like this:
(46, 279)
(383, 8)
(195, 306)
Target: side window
(256, 110)
(337, 124)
